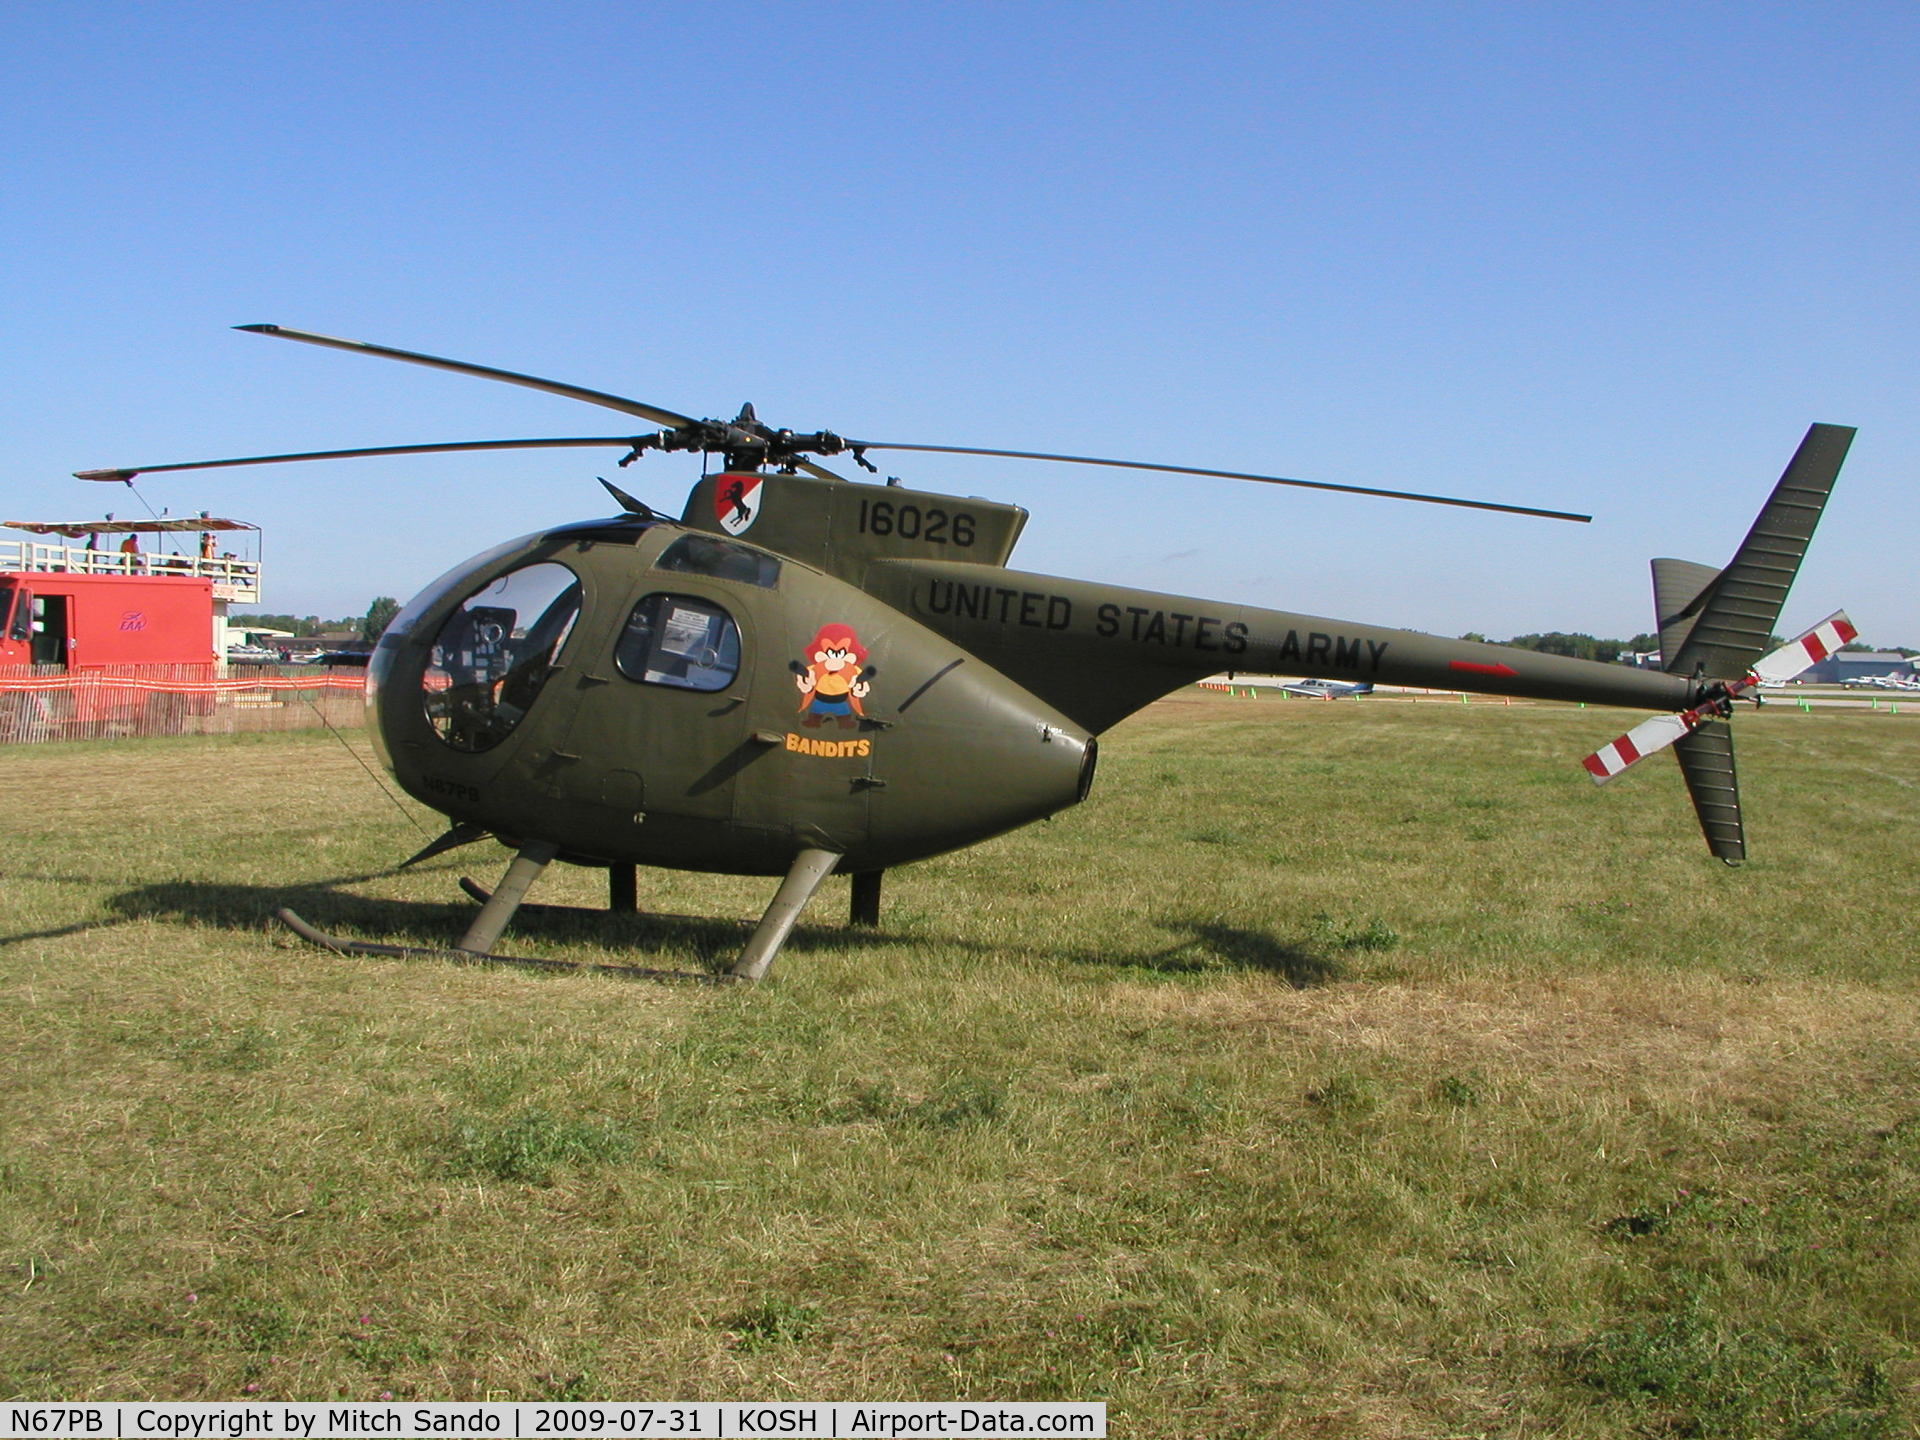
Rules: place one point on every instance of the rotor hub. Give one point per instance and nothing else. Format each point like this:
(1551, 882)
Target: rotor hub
(745, 444)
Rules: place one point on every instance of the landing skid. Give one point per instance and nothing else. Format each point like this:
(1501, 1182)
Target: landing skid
(471, 957)
(499, 905)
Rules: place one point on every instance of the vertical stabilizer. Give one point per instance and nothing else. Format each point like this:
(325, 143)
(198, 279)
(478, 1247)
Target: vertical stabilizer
(1733, 617)
(1679, 588)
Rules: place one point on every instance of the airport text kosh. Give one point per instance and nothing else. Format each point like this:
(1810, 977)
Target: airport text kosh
(776, 1420)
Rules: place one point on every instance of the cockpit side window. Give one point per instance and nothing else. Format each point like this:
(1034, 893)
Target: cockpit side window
(722, 559)
(494, 653)
(680, 641)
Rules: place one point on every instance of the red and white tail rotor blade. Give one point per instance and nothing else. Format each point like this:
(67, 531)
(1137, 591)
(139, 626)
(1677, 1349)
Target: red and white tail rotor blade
(1650, 737)
(1810, 649)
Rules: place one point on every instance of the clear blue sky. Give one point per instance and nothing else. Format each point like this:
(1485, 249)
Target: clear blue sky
(1611, 258)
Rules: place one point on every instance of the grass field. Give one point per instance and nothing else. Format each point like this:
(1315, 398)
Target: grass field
(1347, 1069)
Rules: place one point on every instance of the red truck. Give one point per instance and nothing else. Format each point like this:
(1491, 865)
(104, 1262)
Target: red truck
(89, 653)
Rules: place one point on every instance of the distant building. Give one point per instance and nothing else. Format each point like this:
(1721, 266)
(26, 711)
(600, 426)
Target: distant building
(339, 640)
(1844, 665)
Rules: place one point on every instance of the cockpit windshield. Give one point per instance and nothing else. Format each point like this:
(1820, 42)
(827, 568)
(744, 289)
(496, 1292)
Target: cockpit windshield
(494, 653)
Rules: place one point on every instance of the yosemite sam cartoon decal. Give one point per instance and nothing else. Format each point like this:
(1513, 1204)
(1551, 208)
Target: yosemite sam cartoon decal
(832, 682)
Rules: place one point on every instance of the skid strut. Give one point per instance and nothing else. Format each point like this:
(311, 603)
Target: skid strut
(623, 889)
(488, 926)
(810, 867)
(865, 906)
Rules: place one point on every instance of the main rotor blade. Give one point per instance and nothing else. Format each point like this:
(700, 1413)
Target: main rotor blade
(1224, 475)
(565, 442)
(654, 413)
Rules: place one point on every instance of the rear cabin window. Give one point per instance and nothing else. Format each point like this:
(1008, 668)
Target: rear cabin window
(680, 641)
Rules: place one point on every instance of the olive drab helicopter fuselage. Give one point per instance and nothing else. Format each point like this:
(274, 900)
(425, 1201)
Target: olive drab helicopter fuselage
(802, 674)
(647, 693)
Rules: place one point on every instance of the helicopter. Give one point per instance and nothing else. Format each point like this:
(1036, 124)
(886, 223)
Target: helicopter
(803, 674)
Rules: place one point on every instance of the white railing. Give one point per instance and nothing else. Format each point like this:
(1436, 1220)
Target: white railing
(232, 579)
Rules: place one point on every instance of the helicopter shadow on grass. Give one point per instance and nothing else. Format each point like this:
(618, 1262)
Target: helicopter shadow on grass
(1205, 946)
(713, 942)
(1208, 947)
(224, 905)
(59, 932)
(55, 932)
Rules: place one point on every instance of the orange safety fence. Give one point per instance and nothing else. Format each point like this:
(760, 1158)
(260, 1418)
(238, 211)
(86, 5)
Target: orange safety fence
(42, 703)
(178, 687)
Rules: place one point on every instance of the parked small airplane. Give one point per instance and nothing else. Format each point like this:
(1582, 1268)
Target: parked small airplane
(1326, 689)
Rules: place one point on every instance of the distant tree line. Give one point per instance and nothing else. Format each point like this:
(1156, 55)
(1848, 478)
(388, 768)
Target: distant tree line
(302, 626)
(370, 626)
(1579, 646)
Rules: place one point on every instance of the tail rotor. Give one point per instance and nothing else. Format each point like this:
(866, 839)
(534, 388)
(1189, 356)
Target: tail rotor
(1714, 626)
(1652, 736)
